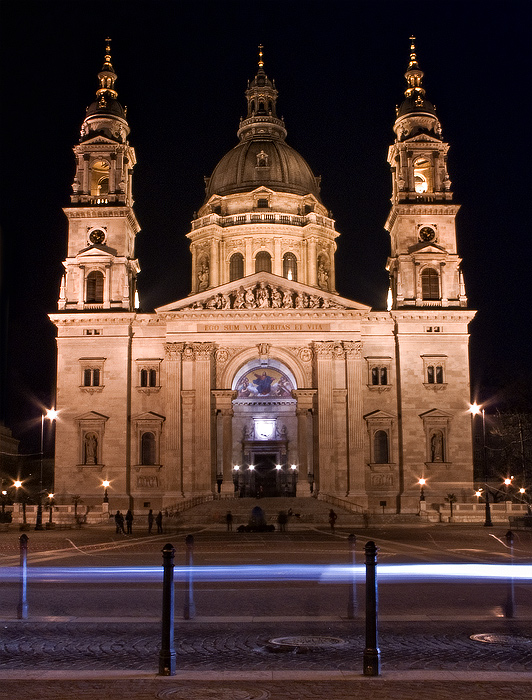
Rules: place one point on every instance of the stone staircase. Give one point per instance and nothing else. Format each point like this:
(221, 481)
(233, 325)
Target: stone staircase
(306, 512)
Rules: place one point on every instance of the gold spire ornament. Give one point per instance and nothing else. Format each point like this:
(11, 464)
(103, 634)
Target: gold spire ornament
(261, 62)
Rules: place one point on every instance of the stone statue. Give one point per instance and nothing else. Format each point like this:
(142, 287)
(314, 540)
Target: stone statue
(300, 300)
(203, 276)
(263, 300)
(277, 299)
(226, 301)
(436, 447)
(91, 449)
(288, 302)
(323, 276)
(249, 299)
(239, 299)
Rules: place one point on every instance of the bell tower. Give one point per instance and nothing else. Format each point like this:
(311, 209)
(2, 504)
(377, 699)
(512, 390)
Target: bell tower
(100, 268)
(424, 265)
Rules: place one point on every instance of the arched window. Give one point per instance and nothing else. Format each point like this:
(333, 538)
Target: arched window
(380, 447)
(95, 287)
(430, 284)
(148, 452)
(236, 267)
(422, 175)
(290, 266)
(103, 186)
(263, 262)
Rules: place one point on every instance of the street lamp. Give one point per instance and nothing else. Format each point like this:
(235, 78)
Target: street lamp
(475, 410)
(106, 485)
(51, 506)
(51, 415)
(421, 483)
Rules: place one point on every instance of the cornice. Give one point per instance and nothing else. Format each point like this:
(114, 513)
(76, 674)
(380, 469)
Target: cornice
(466, 315)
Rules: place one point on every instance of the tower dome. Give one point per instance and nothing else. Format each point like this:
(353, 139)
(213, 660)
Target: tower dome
(262, 158)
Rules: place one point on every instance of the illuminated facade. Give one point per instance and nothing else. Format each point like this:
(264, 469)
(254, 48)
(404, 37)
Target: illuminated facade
(263, 380)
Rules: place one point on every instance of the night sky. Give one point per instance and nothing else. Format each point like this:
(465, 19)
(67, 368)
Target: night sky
(339, 67)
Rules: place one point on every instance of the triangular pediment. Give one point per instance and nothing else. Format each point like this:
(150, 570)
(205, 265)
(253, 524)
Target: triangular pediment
(262, 291)
(378, 415)
(435, 413)
(423, 247)
(148, 415)
(96, 251)
(92, 415)
(424, 137)
(99, 139)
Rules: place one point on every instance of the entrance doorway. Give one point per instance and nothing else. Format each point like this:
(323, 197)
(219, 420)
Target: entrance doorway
(266, 475)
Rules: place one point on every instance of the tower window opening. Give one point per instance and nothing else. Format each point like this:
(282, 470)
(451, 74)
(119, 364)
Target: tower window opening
(94, 287)
(103, 186)
(91, 377)
(262, 204)
(290, 266)
(420, 184)
(435, 374)
(236, 267)
(430, 284)
(422, 175)
(263, 262)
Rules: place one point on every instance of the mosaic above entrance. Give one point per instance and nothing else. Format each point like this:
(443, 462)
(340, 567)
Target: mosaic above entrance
(268, 382)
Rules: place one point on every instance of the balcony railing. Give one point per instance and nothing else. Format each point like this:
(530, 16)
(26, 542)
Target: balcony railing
(262, 218)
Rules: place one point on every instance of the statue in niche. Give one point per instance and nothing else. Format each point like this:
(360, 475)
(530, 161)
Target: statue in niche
(263, 300)
(436, 447)
(239, 299)
(249, 299)
(91, 449)
(203, 276)
(288, 302)
(323, 276)
(277, 298)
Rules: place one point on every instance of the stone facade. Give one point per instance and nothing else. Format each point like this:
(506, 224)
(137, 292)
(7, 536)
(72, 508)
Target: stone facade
(264, 380)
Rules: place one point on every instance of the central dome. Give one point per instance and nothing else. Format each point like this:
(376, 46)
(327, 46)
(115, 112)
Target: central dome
(262, 158)
(262, 161)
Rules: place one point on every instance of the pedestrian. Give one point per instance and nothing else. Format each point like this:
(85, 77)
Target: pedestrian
(129, 522)
(150, 521)
(282, 519)
(119, 522)
(229, 521)
(159, 523)
(332, 519)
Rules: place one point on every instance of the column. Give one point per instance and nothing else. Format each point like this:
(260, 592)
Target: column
(173, 461)
(305, 401)
(324, 365)
(355, 424)
(203, 472)
(224, 408)
(277, 267)
(312, 277)
(249, 266)
(215, 264)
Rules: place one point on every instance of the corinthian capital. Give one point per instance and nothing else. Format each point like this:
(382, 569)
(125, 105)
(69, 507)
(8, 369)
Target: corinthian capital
(172, 351)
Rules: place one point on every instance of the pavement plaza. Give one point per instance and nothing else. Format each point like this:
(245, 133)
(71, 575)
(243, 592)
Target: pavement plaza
(229, 657)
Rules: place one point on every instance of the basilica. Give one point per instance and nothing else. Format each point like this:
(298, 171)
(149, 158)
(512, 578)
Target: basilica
(263, 380)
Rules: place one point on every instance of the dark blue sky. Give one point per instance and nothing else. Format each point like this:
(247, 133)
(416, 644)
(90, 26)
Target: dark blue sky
(182, 71)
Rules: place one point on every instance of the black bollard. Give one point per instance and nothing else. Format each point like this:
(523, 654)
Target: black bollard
(352, 602)
(510, 593)
(22, 609)
(372, 654)
(167, 657)
(190, 608)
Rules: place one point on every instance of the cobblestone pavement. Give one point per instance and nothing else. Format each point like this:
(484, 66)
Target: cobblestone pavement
(245, 646)
(382, 688)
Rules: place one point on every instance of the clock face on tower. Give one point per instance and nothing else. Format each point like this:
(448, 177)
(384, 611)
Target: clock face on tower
(427, 234)
(97, 236)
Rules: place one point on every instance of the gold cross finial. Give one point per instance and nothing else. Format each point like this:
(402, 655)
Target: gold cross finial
(261, 62)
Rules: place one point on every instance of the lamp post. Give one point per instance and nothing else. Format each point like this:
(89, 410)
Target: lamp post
(51, 414)
(105, 485)
(475, 409)
(51, 515)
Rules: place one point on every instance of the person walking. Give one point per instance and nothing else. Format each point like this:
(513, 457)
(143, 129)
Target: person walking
(159, 523)
(150, 521)
(119, 522)
(229, 521)
(129, 522)
(332, 519)
(282, 519)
